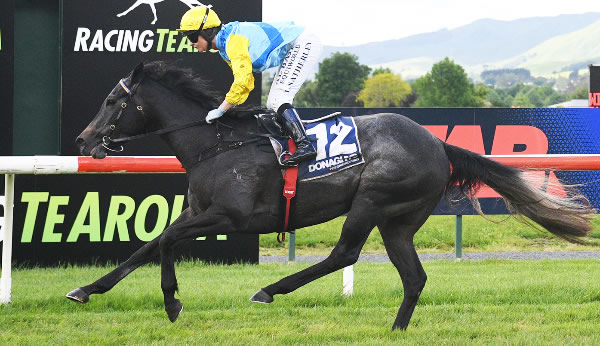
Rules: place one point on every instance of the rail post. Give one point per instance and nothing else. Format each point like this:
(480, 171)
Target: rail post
(348, 281)
(292, 247)
(458, 238)
(6, 280)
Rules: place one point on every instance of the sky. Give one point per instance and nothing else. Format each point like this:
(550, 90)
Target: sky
(353, 22)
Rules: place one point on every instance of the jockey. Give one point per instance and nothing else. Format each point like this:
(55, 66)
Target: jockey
(254, 47)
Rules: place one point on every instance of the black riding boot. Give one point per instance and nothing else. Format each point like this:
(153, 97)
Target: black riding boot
(304, 148)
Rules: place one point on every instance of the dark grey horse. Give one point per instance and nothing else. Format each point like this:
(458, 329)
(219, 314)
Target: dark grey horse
(406, 172)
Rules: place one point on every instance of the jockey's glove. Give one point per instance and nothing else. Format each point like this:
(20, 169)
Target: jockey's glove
(214, 114)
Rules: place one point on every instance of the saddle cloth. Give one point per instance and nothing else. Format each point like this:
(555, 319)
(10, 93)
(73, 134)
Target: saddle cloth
(336, 139)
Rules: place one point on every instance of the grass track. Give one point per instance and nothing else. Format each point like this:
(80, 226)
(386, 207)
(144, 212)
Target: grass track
(437, 235)
(537, 302)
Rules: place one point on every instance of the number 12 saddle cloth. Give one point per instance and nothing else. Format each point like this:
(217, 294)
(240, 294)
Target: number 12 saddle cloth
(336, 140)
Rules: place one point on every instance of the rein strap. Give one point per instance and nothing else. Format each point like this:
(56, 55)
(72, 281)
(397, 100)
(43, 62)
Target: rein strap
(159, 132)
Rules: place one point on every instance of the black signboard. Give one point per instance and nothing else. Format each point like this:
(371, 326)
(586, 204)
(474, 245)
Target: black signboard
(7, 10)
(102, 218)
(594, 86)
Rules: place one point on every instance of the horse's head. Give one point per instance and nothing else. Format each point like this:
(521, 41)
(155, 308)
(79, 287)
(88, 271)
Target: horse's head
(121, 114)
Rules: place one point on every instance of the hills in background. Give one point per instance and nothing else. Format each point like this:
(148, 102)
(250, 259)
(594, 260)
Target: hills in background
(546, 46)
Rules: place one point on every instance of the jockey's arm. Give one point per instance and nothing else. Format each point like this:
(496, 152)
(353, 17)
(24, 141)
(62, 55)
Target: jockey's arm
(241, 65)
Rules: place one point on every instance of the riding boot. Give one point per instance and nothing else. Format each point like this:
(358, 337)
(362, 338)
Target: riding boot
(304, 148)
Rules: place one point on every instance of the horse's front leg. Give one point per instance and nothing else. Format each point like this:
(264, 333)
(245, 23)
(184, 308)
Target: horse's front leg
(205, 224)
(143, 255)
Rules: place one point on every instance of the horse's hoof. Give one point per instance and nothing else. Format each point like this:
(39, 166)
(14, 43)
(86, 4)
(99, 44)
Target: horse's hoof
(174, 310)
(261, 297)
(395, 327)
(78, 295)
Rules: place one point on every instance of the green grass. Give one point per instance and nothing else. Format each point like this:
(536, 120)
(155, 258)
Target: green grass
(471, 302)
(437, 235)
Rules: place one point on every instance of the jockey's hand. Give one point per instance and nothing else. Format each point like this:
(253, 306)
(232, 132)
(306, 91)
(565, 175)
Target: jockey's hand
(214, 114)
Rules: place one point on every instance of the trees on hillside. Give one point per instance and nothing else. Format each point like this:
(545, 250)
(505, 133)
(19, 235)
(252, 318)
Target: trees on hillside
(339, 77)
(384, 89)
(506, 77)
(308, 96)
(522, 95)
(447, 85)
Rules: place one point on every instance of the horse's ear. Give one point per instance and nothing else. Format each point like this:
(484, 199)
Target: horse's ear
(138, 73)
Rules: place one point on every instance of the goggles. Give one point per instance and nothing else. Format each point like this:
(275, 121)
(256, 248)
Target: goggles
(193, 35)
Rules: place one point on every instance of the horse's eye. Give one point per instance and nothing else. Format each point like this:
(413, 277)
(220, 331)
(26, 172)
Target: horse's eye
(110, 102)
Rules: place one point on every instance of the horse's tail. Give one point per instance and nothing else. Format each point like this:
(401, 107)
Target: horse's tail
(566, 217)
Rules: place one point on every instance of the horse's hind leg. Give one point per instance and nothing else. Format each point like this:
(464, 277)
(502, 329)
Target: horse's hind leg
(397, 234)
(355, 232)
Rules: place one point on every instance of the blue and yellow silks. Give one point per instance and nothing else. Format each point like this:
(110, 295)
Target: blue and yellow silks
(253, 47)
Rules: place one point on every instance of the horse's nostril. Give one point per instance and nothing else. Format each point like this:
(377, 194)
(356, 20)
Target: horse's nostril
(79, 141)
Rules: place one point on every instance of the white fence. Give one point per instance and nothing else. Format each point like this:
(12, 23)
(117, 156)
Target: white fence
(11, 165)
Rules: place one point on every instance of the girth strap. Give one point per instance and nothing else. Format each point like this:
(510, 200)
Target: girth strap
(223, 146)
(290, 178)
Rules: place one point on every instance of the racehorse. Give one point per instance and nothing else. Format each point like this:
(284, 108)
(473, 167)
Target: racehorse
(406, 173)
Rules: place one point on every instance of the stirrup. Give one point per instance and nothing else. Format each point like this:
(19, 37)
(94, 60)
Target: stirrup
(295, 161)
(283, 155)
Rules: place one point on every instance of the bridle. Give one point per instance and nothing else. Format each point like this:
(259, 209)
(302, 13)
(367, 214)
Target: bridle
(109, 143)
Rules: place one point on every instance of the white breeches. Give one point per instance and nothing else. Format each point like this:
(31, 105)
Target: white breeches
(298, 64)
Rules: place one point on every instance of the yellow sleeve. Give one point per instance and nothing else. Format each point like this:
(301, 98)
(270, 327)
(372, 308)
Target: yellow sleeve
(241, 65)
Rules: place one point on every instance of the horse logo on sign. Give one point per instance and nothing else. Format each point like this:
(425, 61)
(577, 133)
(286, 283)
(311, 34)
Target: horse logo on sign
(151, 3)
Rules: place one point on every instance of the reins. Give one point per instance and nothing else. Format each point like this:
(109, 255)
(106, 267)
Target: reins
(158, 132)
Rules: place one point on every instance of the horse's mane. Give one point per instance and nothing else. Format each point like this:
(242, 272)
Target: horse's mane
(189, 84)
(183, 81)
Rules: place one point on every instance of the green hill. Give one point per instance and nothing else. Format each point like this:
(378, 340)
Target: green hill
(562, 53)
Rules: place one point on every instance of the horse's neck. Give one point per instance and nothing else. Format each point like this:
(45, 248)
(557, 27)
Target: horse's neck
(169, 110)
(186, 144)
